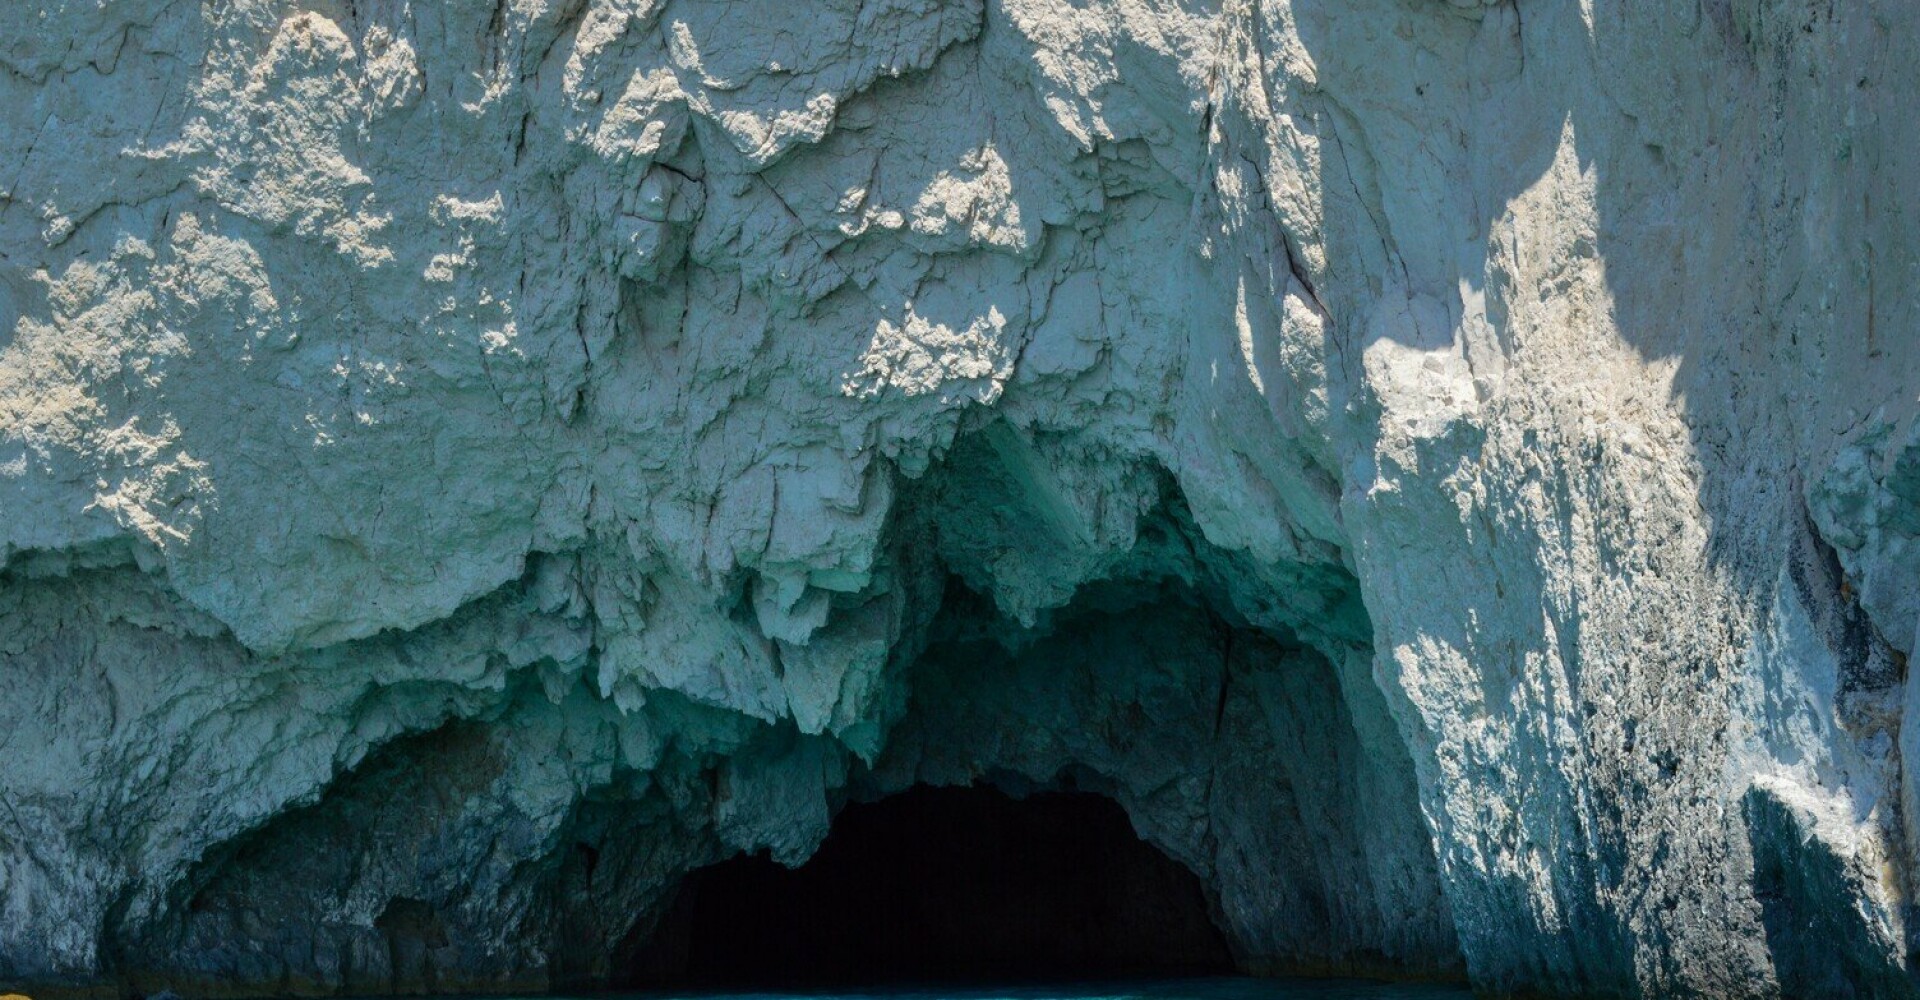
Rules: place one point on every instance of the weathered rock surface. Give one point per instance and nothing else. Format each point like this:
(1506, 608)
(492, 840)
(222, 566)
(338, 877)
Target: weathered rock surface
(1448, 469)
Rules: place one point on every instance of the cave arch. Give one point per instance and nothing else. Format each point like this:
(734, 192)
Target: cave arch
(942, 884)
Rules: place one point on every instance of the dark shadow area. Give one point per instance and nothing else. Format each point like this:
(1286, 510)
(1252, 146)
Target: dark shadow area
(942, 884)
(1818, 948)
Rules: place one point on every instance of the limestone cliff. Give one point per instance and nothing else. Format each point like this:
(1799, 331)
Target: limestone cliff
(1448, 469)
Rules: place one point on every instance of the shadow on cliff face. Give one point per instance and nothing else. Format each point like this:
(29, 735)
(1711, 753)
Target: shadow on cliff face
(942, 884)
(252, 907)
(1246, 801)
(1218, 710)
(1224, 702)
(1237, 751)
(1818, 949)
(1630, 249)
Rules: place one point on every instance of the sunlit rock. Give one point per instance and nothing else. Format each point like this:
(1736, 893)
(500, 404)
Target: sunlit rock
(1446, 469)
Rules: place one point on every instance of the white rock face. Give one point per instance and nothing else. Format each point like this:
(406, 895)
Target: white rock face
(1449, 469)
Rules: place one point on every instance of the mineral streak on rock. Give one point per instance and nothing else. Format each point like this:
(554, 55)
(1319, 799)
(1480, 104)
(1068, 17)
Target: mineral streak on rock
(1447, 468)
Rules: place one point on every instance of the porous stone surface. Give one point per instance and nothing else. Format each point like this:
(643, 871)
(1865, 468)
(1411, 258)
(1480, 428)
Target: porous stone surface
(1447, 468)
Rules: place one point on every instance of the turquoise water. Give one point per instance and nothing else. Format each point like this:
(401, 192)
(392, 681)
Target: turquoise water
(1223, 988)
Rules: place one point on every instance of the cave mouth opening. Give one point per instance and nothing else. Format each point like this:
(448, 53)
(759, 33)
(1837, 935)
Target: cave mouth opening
(943, 885)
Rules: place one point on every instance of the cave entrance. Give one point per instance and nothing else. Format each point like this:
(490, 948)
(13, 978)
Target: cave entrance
(943, 884)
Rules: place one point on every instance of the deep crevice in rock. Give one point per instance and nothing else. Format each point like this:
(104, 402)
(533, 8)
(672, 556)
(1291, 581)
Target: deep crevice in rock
(943, 884)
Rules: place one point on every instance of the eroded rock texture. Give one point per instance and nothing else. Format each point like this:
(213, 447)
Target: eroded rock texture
(1447, 469)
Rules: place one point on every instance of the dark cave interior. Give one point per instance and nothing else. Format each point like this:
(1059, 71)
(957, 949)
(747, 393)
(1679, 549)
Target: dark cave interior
(942, 885)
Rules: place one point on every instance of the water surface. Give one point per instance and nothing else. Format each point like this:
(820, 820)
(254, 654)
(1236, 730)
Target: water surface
(1215, 988)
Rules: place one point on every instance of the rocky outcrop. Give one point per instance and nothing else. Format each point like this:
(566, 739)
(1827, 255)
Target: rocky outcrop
(1447, 469)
